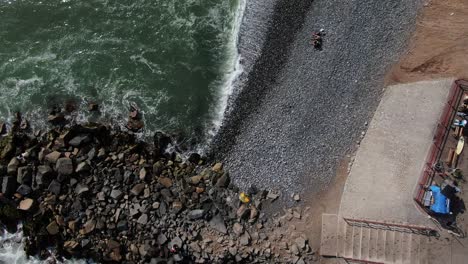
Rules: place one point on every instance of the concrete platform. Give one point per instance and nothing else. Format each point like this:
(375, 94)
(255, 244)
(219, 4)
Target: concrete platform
(390, 159)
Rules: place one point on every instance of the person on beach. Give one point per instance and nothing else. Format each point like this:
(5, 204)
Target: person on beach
(317, 39)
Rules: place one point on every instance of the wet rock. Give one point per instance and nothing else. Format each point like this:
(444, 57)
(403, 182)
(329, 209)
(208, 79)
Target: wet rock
(137, 189)
(24, 175)
(122, 225)
(79, 140)
(93, 107)
(53, 156)
(217, 223)
(53, 228)
(24, 190)
(26, 204)
(8, 186)
(64, 166)
(194, 158)
(161, 141)
(134, 125)
(55, 118)
(13, 166)
(196, 214)
(71, 246)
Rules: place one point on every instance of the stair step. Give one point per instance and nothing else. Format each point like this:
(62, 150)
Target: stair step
(348, 252)
(398, 247)
(381, 238)
(405, 248)
(357, 234)
(414, 248)
(390, 246)
(365, 239)
(373, 244)
(423, 250)
(329, 242)
(342, 226)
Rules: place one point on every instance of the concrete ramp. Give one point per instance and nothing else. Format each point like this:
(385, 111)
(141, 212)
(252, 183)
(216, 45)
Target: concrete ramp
(390, 159)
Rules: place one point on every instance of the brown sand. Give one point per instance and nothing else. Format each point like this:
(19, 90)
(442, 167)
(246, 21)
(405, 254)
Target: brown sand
(439, 46)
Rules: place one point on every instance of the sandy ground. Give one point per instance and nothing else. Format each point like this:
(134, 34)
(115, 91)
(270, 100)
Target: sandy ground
(439, 46)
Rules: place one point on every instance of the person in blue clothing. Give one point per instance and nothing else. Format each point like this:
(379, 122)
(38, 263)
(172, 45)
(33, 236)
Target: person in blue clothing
(440, 201)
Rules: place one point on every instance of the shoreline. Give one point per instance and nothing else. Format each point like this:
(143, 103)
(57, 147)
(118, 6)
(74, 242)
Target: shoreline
(301, 111)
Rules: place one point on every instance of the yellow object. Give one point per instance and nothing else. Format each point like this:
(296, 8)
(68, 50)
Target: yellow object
(243, 197)
(460, 145)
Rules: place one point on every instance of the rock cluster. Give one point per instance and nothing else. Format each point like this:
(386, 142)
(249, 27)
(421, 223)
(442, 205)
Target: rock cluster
(95, 192)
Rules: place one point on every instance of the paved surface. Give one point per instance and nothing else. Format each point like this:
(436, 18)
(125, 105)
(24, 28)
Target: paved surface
(388, 164)
(303, 110)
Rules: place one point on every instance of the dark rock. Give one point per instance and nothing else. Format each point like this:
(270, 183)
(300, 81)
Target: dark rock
(244, 239)
(54, 187)
(64, 166)
(135, 125)
(92, 107)
(81, 188)
(44, 170)
(122, 225)
(24, 190)
(143, 219)
(53, 156)
(2, 128)
(116, 194)
(217, 223)
(8, 186)
(223, 181)
(243, 211)
(83, 167)
(24, 175)
(56, 118)
(238, 229)
(167, 195)
(161, 141)
(13, 167)
(194, 158)
(162, 239)
(196, 214)
(176, 241)
(88, 227)
(53, 228)
(137, 189)
(79, 140)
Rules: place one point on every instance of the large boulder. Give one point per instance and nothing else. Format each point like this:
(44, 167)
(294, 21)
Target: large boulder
(13, 166)
(24, 175)
(64, 166)
(79, 140)
(8, 185)
(53, 156)
(161, 141)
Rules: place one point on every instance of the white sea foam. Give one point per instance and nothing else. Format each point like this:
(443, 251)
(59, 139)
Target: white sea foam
(234, 70)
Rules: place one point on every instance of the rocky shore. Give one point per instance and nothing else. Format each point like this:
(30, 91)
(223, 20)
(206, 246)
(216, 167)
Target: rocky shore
(96, 192)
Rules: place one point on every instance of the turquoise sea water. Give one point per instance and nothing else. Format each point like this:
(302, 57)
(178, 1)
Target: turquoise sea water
(173, 58)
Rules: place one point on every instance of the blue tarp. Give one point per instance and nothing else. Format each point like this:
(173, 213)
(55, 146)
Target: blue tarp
(440, 201)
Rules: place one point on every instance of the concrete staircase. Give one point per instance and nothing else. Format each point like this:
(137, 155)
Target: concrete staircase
(372, 245)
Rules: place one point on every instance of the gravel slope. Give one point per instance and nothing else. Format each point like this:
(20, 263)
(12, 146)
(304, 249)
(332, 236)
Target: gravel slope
(302, 110)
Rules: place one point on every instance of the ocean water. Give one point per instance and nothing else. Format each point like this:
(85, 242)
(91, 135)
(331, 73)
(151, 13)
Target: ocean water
(175, 59)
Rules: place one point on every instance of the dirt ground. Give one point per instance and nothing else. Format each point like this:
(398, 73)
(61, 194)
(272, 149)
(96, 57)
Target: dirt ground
(439, 46)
